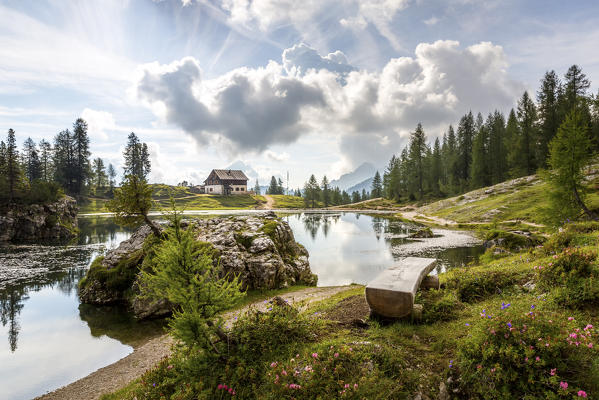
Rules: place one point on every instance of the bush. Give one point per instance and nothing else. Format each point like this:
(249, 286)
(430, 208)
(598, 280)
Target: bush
(42, 192)
(476, 283)
(118, 279)
(328, 372)
(558, 241)
(524, 352)
(511, 240)
(439, 305)
(574, 276)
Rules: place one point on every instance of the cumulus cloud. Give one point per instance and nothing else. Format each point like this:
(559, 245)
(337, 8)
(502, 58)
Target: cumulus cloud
(370, 114)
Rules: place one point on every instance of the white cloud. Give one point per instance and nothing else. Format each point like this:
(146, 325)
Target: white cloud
(368, 114)
(98, 122)
(431, 21)
(277, 157)
(269, 15)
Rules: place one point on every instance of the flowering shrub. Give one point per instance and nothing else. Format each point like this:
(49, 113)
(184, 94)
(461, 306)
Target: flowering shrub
(517, 352)
(574, 275)
(328, 373)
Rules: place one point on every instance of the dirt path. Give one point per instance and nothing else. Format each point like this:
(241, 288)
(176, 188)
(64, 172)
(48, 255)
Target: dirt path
(270, 202)
(115, 376)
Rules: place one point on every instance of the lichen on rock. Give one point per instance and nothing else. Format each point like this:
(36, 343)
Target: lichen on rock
(259, 249)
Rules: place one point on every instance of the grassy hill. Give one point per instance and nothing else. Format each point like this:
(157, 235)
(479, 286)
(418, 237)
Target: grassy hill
(521, 199)
(184, 198)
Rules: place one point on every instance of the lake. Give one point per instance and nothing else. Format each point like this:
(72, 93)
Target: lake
(48, 339)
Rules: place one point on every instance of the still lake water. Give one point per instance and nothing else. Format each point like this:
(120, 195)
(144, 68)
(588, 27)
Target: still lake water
(48, 339)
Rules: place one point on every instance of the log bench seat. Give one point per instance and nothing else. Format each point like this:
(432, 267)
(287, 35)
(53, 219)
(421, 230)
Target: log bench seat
(391, 294)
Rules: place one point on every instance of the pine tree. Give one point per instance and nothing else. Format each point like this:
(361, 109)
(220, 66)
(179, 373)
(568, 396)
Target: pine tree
(451, 161)
(512, 134)
(13, 169)
(364, 195)
(576, 85)
(145, 163)
(111, 178)
(311, 192)
(548, 114)
(569, 155)
(336, 198)
(436, 169)
(273, 188)
(298, 192)
(81, 151)
(257, 189)
(465, 136)
(417, 153)
(377, 185)
(99, 172)
(31, 161)
(497, 164)
(3, 181)
(391, 180)
(137, 158)
(355, 197)
(46, 161)
(325, 194)
(524, 150)
(280, 189)
(479, 173)
(64, 160)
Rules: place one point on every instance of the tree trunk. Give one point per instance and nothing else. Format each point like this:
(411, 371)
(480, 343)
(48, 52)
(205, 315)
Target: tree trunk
(588, 212)
(155, 228)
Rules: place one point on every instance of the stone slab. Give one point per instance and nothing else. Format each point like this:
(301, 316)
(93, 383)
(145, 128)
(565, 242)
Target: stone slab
(391, 294)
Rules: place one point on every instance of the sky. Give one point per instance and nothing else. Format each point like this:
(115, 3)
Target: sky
(317, 86)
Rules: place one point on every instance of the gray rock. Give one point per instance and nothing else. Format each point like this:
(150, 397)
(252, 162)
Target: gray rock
(52, 221)
(443, 394)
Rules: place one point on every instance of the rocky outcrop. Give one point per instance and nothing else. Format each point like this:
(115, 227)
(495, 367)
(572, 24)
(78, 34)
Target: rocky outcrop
(422, 233)
(51, 221)
(260, 249)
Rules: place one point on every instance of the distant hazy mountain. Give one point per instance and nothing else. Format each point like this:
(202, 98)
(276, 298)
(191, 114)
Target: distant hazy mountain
(356, 177)
(247, 169)
(365, 184)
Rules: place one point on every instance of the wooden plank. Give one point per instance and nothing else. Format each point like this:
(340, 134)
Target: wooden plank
(391, 294)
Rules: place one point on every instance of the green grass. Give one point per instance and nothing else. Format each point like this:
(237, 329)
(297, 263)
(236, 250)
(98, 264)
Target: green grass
(289, 202)
(374, 204)
(520, 203)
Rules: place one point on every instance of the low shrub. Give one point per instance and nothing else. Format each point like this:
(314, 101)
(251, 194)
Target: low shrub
(118, 279)
(558, 242)
(329, 372)
(573, 275)
(511, 240)
(521, 351)
(439, 305)
(476, 283)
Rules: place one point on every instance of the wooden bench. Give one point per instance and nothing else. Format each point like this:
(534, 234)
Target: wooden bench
(391, 294)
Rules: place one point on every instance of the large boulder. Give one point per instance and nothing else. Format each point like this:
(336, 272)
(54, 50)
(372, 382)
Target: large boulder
(53, 221)
(260, 249)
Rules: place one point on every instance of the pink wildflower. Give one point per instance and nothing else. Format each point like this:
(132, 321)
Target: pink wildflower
(563, 385)
(570, 318)
(336, 355)
(273, 364)
(315, 355)
(582, 393)
(355, 385)
(553, 371)
(590, 345)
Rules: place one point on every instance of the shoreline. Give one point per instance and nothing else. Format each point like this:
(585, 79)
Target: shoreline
(117, 375)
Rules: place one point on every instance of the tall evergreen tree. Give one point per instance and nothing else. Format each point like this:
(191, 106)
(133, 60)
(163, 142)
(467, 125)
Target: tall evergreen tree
(82, 169)
(377, 186)
(325, 194)
(355, 197)
(146, 165)
(111, 178)
(280, 189)
(64, 160)
(99, 172)
(576, 85)
(257, 189)
(465, 137)
(497, 162)
(12, 167)
(311, 192)
(548, 114)
(273, 188)
(479, 169)
(436, 169)
(512, 134)
(137, 158)
(46, 160)
(524, 145)
(417, 152)
(31, 161)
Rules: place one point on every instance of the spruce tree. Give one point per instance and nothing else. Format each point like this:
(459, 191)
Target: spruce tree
(355, 197)
(548, 114)
(81, 152)
(325, 194)
(46, 161)
(257, 187)
(436, 169)
(31, 161)
(3, 182)
(273, 188)
(64, 160)
(479, 173)
(576, 85)
(280, 189)
(569, 155)
(345, 198)
(13, 168)
(512, 134)
(417, 151)
(377, 185)
(111, 178)
(311, 192)
(465, 137)
(99, 172)
(145, 163)
(451, 161)
(497, 163)
(524, 144)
